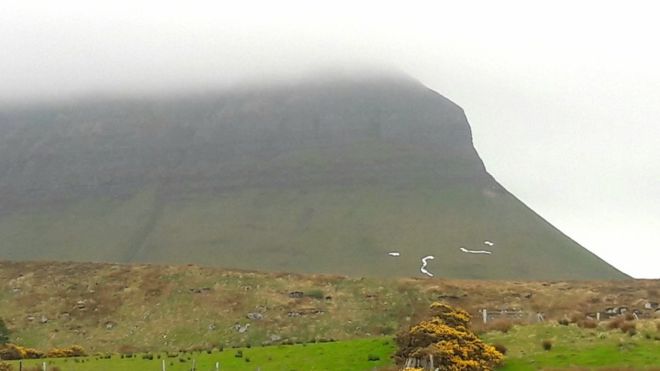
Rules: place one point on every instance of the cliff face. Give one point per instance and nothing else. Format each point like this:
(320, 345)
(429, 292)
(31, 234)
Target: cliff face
(314, 177)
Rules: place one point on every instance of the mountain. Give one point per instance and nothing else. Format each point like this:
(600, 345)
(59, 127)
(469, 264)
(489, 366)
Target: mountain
(313, 176)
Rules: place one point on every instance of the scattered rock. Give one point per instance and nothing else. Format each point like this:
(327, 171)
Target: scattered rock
(241, 329)
(296, 294)
(255, 316)
(650, 305)
(43, 319)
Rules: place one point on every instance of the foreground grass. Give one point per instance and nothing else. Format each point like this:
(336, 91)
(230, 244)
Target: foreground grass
(573, 348)
(576, 347)
(346, 355)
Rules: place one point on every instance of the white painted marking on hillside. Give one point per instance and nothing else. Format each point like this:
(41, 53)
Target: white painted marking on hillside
(475, 251)
(489, 243)
(393, 253)
(424, 263)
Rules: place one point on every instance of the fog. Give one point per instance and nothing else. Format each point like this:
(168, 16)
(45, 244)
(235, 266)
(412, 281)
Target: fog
(562, 99)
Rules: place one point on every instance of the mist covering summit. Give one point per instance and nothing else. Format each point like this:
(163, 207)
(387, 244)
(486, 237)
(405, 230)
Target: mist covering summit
(324, 177)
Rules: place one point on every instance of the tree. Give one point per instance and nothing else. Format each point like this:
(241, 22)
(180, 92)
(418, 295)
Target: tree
(4, 333)
(446, 339)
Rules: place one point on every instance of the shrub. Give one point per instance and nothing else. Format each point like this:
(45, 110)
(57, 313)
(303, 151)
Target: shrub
(11, 352)
(4, 332)
(546, 344)
(588, 323)
(373, 358)
(615, 323)
(72, 351)
(447, 337)
(239, 354)
(628, 327)
(316, 294)
(5, 366)
(576, 317)
(564, 322)
(500, 348)
(501, 325)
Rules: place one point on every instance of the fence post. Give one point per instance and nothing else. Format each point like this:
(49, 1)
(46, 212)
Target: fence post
(193, 366)
(217, 366)
(598, 316)
(431, 361)
(163, 365)
(20, 365)
(44, 367)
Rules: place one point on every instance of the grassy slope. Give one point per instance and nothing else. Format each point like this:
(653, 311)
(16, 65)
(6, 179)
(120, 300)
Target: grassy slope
(344, 230)
(575, 347)
(152, 307)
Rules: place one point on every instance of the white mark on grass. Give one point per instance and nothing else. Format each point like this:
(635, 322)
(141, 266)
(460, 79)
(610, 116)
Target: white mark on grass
(424, 263)
(394, 253)
(475, 251)
(489, 243)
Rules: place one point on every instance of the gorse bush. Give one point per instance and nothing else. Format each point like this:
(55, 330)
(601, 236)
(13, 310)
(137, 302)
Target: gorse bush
(73, 351)
(447, 338)
(11, 352)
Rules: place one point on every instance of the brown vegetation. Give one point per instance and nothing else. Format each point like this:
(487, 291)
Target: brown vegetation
(546, 344)
(104, 304)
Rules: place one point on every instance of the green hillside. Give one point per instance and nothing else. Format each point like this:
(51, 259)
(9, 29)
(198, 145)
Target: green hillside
(325, 178)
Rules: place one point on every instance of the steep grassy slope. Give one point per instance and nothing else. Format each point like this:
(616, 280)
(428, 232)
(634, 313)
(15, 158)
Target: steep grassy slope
(108, 307)
(324, 178)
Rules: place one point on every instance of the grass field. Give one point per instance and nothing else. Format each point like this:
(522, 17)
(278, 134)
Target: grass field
(573, 348)
(348, 355)
(576, 347)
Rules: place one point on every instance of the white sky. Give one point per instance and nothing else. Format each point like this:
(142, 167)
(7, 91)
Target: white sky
(563, 96)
